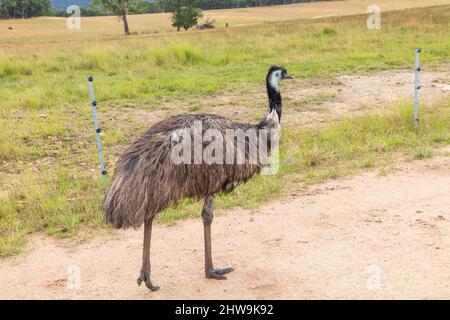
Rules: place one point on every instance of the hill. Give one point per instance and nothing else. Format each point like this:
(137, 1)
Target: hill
(63, 4)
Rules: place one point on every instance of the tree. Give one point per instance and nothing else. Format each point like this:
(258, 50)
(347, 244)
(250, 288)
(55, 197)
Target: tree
(24, 8)
(185, 13)
(121, 8)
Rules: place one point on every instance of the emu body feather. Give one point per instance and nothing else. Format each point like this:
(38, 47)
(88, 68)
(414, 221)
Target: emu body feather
(146, 181)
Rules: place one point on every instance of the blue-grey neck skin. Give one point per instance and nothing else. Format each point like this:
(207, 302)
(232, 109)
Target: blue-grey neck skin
(273, 91)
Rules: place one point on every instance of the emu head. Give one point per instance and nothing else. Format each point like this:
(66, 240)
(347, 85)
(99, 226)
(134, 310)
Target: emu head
(275, 75)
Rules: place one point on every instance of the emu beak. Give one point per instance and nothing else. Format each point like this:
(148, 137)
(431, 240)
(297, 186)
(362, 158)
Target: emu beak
(286, 76)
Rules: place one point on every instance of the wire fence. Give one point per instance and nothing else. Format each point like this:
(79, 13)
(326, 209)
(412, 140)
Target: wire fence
(52, 82)
(97, 179)
(82, 81)
(15, 84)
(120, 77)
(103, 78)
(60, 182)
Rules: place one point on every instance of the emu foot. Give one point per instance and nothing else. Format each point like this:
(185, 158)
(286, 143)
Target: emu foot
(145, 277)
(218, 274)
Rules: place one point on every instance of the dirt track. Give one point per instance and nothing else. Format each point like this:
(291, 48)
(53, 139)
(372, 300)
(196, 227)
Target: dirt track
(369, 236)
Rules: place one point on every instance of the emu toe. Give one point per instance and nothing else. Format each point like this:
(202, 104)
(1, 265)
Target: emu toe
(218, 274)
(145, 277)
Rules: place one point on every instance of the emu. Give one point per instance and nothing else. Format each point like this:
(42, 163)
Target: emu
(146, 180)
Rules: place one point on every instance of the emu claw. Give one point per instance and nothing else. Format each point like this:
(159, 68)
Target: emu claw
(218, 274)
(145, 277)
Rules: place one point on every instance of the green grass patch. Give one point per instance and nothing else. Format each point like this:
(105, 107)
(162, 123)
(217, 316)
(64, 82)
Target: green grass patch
(421, 154)
(151, 68)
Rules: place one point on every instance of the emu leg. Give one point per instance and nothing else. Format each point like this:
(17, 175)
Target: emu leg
(145, 270)
(207, 215)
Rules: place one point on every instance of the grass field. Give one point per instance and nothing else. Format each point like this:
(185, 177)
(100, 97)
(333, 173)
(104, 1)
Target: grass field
(48, 161)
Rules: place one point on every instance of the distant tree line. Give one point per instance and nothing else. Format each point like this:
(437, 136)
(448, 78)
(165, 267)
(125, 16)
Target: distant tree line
(25, 8)
(159, 6)
(225, 4)
(164, 5)
(34, 8)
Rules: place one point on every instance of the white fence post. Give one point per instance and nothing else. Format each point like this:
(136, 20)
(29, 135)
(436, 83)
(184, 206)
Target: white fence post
(96, 127)
(416, 89)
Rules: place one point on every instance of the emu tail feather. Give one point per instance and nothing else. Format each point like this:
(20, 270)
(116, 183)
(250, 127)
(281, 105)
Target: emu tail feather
(139, 187)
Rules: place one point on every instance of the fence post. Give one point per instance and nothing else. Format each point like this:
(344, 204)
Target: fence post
(416, 89)
(96, 127)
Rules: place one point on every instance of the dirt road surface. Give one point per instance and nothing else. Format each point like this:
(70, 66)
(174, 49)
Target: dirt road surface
(370, 236)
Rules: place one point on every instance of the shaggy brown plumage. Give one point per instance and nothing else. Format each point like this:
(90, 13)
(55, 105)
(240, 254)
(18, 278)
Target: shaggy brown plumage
(146, 181)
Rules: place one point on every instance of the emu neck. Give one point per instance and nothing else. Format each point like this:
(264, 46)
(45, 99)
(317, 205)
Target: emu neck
(273, 91)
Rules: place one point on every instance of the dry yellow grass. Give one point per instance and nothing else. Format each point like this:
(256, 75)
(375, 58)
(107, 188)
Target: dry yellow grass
(52, 30)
